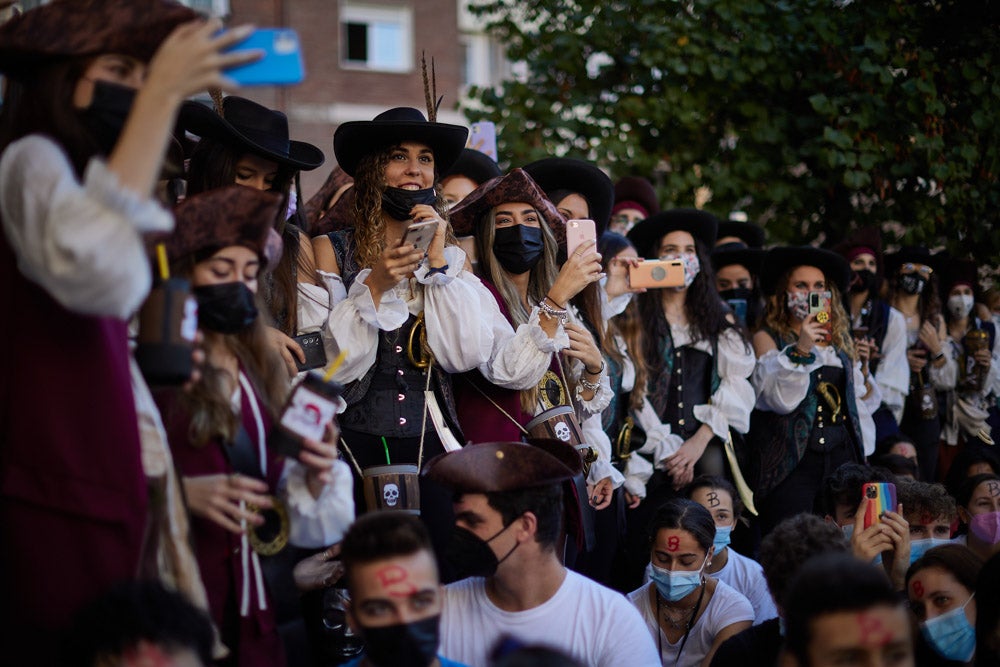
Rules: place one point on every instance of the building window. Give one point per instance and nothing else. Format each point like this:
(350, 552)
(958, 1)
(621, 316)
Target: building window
(376, 38)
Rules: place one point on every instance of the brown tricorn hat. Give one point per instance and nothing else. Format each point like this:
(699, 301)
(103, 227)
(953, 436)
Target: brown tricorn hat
(72, 28)
(215, 219)
(497, 466)
(516, 186)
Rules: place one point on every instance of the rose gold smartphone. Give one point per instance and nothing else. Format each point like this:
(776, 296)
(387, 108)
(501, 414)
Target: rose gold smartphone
(656, 273)
(578, 232)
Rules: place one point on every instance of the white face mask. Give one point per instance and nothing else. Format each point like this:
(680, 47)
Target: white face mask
(960, 305)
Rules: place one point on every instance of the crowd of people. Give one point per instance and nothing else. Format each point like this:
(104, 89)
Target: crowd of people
(425, 417)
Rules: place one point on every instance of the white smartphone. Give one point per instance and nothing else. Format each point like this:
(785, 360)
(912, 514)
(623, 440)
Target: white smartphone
(420, 234)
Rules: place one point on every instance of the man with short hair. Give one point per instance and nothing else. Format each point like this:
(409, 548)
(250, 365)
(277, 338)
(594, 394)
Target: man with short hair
(508, 539)
(395, 591)
(840, 611)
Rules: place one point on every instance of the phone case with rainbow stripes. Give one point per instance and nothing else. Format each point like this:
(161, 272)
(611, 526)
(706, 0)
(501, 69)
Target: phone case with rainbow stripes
(881, 499)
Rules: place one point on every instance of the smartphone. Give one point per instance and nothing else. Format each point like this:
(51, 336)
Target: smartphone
(578, 232)
(420, 234)
(819, 303)
(282, 62)
(656, 273)
(312, 346)
(881, 499)
(739, 308)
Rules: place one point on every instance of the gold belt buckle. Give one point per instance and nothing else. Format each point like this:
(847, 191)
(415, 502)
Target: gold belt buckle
(271, 537)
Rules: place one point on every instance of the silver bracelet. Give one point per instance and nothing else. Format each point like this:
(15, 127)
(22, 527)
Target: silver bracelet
(592, 386)
(553, 313)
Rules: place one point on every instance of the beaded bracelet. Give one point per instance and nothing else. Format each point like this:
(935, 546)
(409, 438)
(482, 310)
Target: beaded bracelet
(592, 386)
(797, 357)
(553, 313)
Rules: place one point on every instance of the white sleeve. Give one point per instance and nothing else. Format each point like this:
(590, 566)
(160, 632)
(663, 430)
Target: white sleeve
(456, 312)
(594, 435)
(520, 358)
(317, 522)
(893, 375)
(354, 323)
(313, 305)
(637, 473)
(781, 385)
(661, 443)
(731, 404)
(82, 243)
(945, 377)
(866, 406)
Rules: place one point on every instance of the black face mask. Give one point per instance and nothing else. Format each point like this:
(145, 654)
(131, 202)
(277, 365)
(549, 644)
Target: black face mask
(518, 248)
(105, 117)
(226, 308)
(398, 202)
(405, 645)
(471, 556)
(911, 283)
(863, 281)
(736, 293)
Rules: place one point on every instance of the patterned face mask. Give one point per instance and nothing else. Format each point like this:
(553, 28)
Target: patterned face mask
(798, 304)
(691, 266)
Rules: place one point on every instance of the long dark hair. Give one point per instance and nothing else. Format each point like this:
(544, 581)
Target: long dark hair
(928, 304)
(43, 104)
(706, 314)
(627, 324)
(213, 165)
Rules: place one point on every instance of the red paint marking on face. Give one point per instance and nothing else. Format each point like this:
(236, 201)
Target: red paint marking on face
(673, 543)
(396, 581)
(926, 519)
(873, 632)
(918, 589)
(713, 499)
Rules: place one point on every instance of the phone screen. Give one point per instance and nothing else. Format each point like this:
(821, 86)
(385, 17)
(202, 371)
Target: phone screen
(281, 64)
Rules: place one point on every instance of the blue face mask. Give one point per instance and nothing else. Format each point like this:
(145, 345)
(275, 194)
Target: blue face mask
(919, 547)
(722, 534)
(674, 586)
(951, 634)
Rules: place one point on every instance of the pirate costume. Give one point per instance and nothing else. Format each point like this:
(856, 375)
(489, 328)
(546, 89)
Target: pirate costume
(812, 411)
(234, 568)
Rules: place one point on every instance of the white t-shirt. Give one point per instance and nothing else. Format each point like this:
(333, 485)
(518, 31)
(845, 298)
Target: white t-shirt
(593, 624)
(725, 608)
(747, 577)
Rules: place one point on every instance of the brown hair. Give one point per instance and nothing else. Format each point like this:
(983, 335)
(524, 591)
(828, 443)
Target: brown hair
(779, 320)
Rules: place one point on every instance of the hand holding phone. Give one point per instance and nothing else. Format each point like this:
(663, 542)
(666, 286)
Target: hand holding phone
(881, 499)
(420, 234)
(577, 233)
(281, 64)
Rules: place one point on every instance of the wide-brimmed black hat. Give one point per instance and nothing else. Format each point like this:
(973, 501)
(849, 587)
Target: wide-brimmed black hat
(496, 466)
(751, 235)
(646, 235)
(353, 140)
(909, 254)
(475, 165)
(555, 174)
(729, 254)
(517, 186)
(254, 127)
(778, 261)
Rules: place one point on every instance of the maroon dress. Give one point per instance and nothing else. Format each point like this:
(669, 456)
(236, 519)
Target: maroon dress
(73, 497)
(253, 638)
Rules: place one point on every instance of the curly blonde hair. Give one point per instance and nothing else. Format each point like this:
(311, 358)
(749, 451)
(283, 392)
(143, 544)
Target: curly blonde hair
(369, 226)
(778, 318)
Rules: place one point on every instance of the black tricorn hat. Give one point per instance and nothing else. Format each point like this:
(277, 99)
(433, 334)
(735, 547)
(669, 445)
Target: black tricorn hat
(751, 235)
(729, 254)
(496, 466)
(474, 165)
(516, 186)
(779, 260)
(646, 235)
(251, 126)
(555, 174)
(355, 139)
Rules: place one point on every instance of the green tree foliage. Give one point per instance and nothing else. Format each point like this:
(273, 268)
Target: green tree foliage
(813, 116)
